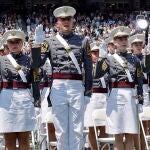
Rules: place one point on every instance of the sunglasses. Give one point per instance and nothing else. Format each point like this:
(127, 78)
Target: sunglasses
(65, 19)
(14, 42)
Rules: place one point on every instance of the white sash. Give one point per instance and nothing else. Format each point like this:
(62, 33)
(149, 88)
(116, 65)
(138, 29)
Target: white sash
(103, 82)
(122, 63)
(145, 75)
(44, 94)
(71, 54)
(17, 67)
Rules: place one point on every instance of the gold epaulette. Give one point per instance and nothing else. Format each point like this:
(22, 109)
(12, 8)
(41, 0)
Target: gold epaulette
(104, 66)
(139, 72)
(44, 46)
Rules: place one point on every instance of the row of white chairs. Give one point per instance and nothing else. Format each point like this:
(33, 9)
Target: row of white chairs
(38, 133)
(100, 115)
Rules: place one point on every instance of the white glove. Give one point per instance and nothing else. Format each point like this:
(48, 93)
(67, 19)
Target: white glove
(140, 108)
(86, 100)
(146, 51)
(39, 34)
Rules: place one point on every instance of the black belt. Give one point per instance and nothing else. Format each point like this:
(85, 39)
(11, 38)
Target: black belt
(14, 84)
(99, 90)
(66, 76)
(122, 84)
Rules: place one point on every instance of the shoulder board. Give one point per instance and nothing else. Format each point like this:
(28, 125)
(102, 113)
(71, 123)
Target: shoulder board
(44, 46)
(104, 66)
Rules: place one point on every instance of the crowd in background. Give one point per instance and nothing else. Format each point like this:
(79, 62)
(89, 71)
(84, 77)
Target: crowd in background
(96, 24)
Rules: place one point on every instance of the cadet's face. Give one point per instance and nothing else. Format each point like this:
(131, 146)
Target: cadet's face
(65, 24)
(121, 43)
(137, 47)
(95, 55)
(15, 46)
(111, 48)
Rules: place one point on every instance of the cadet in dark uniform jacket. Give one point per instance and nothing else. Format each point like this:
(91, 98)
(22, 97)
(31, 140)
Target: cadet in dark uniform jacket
(68, 92)
(46, 107)
(125, 74)
(16, 102)
(99, 93)
(137, 44)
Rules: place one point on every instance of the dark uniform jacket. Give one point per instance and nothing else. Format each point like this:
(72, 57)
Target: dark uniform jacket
(9, 73)
(9, 76)
(100, 69)
(117, 72)
(145, 63)
(61, 61)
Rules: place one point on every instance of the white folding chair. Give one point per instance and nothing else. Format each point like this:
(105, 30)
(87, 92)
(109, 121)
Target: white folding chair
(85, 137)
(145, 116)
(100, 115)
(2, 142)
(49, 119)
(35, 134)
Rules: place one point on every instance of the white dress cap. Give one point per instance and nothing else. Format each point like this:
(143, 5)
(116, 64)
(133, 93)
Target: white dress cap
(14, 34)
(64, 11)
(120, 31)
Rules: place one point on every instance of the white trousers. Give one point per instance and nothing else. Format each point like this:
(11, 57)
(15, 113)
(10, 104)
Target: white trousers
(44, 104)
(67, 97)
(146, 95)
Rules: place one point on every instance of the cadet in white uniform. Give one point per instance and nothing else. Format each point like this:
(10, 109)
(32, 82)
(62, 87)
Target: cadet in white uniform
(16, 101)
(137, 44)
(99, 94)
(68, 53)
(46, 108)
(125, 75)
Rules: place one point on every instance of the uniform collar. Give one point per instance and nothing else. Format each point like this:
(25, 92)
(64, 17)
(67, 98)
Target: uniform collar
(66, 35)
(16, 55)
(124, 53)
(140, 56)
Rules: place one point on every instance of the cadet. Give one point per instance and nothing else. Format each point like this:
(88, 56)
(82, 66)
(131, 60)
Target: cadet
(137, 45)
(16, 107)
(68, 52)
(110, 46)
(45, 106)
(99, 95)
(125, 75)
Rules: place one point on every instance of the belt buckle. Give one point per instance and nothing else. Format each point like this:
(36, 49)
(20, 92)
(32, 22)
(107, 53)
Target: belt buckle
(68, 49)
